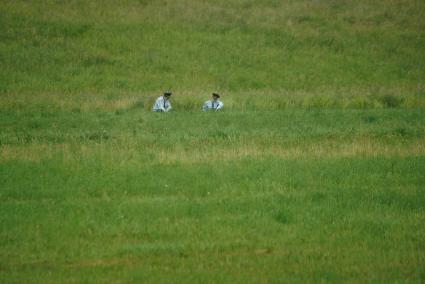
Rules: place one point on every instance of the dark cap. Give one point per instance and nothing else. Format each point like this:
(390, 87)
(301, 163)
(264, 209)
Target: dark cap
(216, 95)
(167, 94)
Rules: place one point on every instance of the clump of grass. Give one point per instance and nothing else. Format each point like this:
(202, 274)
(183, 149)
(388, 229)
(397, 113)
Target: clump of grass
(283, 217)
(391, 101)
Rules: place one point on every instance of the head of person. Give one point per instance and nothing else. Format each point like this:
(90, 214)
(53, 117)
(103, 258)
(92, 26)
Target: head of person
(167, 95)
(215, 96)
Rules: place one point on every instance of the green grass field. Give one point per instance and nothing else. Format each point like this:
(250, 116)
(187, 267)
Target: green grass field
(314, 171)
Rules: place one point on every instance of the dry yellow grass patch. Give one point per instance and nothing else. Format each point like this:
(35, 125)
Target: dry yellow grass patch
(32, 152)
(322, 149)
(122, 153)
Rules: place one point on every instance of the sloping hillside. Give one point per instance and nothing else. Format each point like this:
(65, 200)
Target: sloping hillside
(239, 46)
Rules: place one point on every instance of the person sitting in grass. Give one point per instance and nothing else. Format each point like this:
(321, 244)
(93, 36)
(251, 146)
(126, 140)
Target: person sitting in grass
(162, 104)
(214, 104)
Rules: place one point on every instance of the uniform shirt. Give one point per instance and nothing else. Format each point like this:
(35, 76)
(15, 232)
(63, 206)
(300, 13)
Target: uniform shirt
(161, 104)
(217, 105)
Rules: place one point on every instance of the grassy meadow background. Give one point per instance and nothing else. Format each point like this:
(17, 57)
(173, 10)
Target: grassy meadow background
(313, 172)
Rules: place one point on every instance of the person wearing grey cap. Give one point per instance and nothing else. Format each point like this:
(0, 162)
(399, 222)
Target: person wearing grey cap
(214, 104)
(162, 104)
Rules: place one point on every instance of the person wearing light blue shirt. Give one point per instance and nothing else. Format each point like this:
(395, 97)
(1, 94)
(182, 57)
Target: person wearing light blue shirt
(214, 104)
(162, 104)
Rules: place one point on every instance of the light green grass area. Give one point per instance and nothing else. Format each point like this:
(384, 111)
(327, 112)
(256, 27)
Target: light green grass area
(197, 46)
(313, 172)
